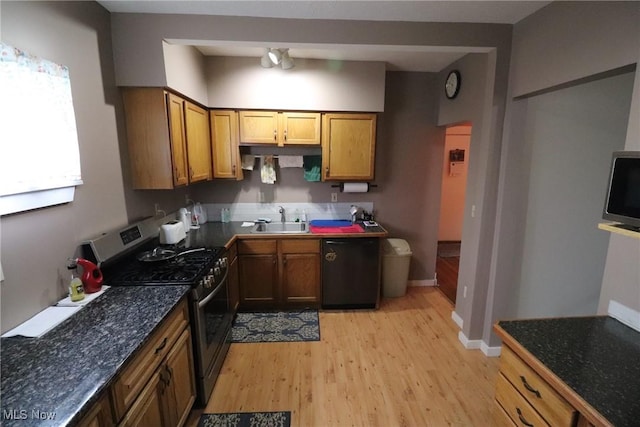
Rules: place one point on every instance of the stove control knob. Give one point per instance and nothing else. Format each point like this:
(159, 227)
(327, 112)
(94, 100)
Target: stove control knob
(217, 271)
(223, 262)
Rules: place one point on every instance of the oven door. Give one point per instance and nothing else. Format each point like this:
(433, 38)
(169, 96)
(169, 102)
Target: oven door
(212, 322)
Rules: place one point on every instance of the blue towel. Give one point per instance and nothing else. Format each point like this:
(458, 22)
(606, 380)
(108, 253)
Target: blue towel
(331, 223)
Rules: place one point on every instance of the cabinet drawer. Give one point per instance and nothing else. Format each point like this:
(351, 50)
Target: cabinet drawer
(251, 247)
(136, 374)
(516, 406)
(536, 391)
(500, 417)
(300, 246)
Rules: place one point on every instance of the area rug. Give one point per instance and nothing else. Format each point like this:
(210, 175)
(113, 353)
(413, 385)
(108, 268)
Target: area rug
(246, 419)
(277, 326)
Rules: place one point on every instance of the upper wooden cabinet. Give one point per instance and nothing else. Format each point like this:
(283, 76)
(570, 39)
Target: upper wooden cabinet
(273, 128)
(348, 147)
(168, 137)
(224, 144)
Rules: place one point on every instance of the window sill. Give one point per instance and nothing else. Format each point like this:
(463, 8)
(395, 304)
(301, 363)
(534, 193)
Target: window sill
(618, 228)
(15, 203)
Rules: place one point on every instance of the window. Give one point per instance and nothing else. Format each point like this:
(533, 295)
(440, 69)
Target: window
(39, 155)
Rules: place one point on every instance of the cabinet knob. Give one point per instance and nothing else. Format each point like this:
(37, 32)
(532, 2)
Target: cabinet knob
(285, 134)
(233, 170)
(275, 134)
(326, 172)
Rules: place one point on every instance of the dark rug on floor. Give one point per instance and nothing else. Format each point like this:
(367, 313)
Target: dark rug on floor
(277, 326)
(246, 419)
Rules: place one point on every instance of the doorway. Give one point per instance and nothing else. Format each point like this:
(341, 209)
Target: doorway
(454, 183)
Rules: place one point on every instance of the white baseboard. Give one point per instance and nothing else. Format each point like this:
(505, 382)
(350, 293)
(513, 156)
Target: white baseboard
(457, 319)
(467, 343)
(425, 282)
(490, 351)
(624, 314)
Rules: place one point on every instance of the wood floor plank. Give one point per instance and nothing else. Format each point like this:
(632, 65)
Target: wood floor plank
(401, 365)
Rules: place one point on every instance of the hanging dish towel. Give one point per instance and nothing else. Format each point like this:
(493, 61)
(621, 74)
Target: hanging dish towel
(290, 161)
(267, 171)
(248, 160)
(312, 166)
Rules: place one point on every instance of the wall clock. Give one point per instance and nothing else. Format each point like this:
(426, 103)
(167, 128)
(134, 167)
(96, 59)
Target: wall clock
(452, 84)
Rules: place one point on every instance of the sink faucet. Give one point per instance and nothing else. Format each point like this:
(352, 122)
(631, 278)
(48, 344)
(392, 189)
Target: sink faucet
(281, 211)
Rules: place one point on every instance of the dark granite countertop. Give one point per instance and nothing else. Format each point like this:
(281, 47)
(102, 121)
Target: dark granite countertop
(62, 373)
(224, 234)
(597, 357)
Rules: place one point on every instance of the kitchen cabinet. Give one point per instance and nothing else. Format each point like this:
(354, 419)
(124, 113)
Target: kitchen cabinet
(224, 144)
(280, 128)
(258, 271)
(168, 139)
(348, 147)
(100, 414)
(157, 387)
(281, 273)
(526, 396)
(233, 283)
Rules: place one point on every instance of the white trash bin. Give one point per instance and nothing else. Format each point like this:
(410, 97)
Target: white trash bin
(396, 256)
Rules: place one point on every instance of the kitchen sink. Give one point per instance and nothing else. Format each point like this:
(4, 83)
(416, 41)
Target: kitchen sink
(280, 228)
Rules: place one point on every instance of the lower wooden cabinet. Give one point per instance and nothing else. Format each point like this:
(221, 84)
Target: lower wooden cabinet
(234, 280)
(527, 398)
(280, 273)
(100, 415)
(157, 388)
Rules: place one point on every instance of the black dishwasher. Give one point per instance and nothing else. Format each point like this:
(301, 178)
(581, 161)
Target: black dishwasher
(350, 272)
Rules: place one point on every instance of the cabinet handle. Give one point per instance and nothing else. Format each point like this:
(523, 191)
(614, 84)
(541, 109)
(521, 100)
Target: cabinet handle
(161, 346)
(326, 172)
(233, 170)
(284, 261)
(285, 134)
(275, 134)
(190, 172)
(528, 387)
(522, 419)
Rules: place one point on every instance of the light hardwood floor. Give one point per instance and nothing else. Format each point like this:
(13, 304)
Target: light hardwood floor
(401, 365)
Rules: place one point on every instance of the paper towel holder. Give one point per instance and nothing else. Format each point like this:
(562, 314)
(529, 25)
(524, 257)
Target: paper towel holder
(341, 186)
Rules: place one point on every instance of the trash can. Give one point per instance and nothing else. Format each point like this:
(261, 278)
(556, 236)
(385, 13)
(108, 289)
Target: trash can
(396, 257)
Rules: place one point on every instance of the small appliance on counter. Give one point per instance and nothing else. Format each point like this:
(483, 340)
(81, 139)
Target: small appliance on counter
(172, 233)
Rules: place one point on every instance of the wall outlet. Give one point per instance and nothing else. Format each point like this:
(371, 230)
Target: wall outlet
(473, 211)
(261, 197)
(1, 273)
(187, 200)
(334, 197)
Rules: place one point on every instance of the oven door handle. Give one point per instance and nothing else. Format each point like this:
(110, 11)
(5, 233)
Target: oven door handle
(215, 291)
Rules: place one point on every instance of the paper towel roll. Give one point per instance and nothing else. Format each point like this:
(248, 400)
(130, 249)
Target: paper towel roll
(355, 187)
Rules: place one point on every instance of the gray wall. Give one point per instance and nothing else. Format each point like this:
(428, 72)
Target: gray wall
(551, 49)
(569, 137)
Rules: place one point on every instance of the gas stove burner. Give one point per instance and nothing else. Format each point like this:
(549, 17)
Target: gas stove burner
(186, 269)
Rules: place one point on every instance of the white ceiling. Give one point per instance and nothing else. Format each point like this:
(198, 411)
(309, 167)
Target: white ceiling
(398, 58)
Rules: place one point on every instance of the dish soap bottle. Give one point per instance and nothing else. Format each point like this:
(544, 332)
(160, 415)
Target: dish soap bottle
(76, 291)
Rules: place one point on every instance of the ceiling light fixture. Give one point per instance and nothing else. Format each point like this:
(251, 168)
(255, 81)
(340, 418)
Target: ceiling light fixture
(280, 57)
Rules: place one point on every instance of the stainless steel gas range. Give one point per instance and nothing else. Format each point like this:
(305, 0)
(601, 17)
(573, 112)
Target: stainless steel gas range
(118, 254)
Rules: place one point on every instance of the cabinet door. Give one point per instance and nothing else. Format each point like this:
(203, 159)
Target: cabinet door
(348, 147)
(148, 139)
(99, 415)
(300, 128)
(198, 142)
(180, 392)
(147, 410)
(258, 127)
(258, 280)
(177, 136)
(234, 280)
(224, 143)
(301, 279)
